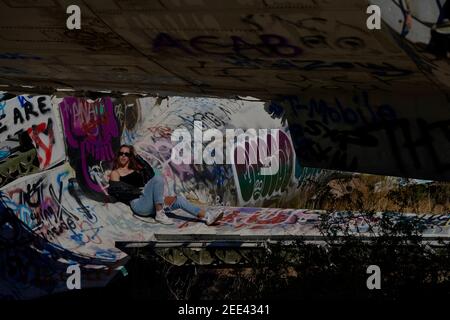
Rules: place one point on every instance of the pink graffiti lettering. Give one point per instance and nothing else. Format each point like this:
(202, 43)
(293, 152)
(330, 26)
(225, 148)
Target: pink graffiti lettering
(90, 128)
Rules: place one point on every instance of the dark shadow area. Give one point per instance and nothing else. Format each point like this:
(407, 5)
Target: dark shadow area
(410, 269)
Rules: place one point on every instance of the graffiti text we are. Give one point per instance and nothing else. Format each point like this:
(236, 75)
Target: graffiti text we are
(13, 115)
(28, 109)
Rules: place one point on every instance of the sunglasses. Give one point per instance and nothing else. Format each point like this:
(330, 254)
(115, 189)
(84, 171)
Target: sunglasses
(126, 154)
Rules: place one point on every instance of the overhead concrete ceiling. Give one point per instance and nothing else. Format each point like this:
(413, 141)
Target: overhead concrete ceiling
(363, 100)
(260, 48)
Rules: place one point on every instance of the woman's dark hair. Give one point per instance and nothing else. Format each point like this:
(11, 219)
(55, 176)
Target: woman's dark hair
(133, 164)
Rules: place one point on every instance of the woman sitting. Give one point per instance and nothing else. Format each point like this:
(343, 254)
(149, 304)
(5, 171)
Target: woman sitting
(146, 198)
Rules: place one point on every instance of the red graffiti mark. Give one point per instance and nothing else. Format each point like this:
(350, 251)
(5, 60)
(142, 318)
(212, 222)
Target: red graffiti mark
(160, 132)
(91, 127)
(183, 225)
(272, 218)
(263, 219)
(12, 192)
(235, 219)
(35, 131)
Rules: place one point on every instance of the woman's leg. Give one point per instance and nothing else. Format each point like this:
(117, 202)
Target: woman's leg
(180, 202)
(210, 217)
(151, 199)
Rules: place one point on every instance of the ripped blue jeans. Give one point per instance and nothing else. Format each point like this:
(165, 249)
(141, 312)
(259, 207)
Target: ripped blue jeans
(153, 194)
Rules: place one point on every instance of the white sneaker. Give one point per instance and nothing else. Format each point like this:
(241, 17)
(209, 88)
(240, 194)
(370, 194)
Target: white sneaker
(443, 27)
(145, 219)
(162, 218)
(212, 217)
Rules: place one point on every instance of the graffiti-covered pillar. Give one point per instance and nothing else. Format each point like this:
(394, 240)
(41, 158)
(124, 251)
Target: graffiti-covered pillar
(400, 134)
(92, 136)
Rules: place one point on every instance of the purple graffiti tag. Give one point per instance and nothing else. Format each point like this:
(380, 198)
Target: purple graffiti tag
(90, 128)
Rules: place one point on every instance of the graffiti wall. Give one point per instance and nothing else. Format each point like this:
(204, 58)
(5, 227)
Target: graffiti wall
(154, 121)
(94, 130)
(258, 48)
(31, 266)
(50, 205)
(326, 130)
(370, 133)
(30, 138)
(287, 51)
(59, 215)
(92, 136)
